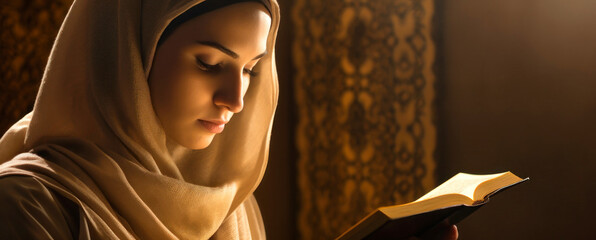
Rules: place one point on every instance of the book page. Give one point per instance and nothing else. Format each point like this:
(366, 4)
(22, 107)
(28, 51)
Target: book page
(462, 183)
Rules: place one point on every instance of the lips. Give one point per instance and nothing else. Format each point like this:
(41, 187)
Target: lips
(213, 126)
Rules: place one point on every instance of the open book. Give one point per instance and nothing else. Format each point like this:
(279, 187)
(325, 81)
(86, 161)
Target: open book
(450, 202)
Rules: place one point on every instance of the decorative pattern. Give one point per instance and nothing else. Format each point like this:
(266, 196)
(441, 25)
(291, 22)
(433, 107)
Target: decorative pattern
(364, 88)
(28, 29)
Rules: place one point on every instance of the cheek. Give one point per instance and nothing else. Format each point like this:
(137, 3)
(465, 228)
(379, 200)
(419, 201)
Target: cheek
(184, 97)
(176, 92)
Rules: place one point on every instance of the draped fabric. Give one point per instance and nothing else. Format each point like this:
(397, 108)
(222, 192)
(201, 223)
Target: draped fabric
(93, 138)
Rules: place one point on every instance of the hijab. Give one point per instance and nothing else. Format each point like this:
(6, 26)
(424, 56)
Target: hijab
(94, 138)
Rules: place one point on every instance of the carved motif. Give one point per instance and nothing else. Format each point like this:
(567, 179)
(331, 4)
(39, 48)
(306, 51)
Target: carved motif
(364, 88)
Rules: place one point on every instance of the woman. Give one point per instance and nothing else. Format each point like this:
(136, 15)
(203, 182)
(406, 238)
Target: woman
(109, 149)
(152, 121)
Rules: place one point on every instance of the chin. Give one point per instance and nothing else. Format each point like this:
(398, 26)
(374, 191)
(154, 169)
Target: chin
(201, 143)
(194, 139)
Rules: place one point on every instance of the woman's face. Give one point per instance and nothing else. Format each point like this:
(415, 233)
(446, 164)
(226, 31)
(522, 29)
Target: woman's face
(202, 71)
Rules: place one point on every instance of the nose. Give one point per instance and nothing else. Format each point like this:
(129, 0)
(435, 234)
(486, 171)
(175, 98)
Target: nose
(230, 94)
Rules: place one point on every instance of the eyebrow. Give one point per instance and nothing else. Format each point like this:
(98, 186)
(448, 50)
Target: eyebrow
(226, 50)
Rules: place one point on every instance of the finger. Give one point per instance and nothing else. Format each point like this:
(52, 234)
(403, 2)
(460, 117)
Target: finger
(441, 232)
(453, 233)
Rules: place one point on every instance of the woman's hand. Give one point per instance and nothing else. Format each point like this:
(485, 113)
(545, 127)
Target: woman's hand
(441, 232)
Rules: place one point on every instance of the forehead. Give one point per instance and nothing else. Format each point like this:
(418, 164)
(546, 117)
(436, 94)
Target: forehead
(235, 26)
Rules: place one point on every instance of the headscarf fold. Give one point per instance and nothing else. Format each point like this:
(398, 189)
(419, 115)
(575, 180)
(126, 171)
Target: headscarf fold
(95, 139)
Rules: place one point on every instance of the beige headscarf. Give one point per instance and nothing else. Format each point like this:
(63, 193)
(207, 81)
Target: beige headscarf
(94, 137)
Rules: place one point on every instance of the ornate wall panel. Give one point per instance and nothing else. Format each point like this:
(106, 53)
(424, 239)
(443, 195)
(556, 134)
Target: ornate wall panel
(28, 29)
(365, 88)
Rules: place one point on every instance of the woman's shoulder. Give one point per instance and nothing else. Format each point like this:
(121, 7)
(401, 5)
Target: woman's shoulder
(20, 189)
(30, 209)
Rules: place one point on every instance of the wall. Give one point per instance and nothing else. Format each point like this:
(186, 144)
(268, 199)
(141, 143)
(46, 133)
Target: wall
(518, 86)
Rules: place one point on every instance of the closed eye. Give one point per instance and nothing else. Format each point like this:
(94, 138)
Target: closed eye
(207, 67)
(251, 72)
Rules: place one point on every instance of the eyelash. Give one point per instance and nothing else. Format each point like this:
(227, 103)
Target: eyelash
(207, 67)
(251, 73)
(213, 68)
